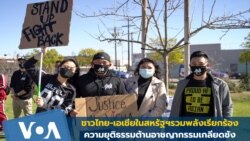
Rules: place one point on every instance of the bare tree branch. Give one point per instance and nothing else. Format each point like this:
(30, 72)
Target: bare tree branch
(202, 12)
(225, 33)
(173, 6)
(156, 23)
(211, 11)
(227, 22)
(126, 2)
(179, 43)
(125, 40)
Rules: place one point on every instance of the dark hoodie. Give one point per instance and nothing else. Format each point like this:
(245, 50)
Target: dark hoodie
(20, 80)
(54, 94)
(89, 85)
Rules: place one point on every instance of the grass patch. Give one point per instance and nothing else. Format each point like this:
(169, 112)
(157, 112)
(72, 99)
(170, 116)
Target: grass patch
(9, 111)
(241, 109)
(241, 104)
(241, 97)
(8, 108)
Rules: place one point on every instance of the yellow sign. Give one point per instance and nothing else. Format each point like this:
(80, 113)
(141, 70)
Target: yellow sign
(197, 99)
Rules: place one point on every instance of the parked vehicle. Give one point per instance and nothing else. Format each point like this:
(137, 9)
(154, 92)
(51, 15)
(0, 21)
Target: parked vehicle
(121, 74)
(235, 75)
(219, 74)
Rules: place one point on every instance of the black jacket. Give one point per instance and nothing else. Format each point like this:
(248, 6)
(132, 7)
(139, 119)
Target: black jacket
(54, 94)
(20, 80)
(89, 85)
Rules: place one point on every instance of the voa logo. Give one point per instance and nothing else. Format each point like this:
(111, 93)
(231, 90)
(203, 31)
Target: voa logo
(27, 131)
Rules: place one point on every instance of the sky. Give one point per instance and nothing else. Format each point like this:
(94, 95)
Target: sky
(82, 30)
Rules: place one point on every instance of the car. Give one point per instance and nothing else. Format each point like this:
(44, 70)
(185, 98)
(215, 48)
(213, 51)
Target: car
(219, 74)
(235, 75)
(120, 74)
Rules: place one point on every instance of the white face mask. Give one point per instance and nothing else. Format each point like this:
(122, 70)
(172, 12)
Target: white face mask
(146, 73)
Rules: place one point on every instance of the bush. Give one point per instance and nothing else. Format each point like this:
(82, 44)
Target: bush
(172, 85)
(245, 82)
(233, 87)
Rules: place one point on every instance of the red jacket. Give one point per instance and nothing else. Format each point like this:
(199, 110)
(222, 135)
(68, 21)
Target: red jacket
(3, 87)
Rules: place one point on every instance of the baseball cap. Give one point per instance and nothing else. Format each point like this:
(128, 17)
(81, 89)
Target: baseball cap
(21, 58)
(101, 55)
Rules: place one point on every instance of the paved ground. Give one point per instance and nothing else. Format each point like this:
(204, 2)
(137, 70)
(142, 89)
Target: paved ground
(167, 112)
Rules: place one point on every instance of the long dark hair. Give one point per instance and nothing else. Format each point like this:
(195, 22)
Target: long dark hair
(157, 68)
(73, 79)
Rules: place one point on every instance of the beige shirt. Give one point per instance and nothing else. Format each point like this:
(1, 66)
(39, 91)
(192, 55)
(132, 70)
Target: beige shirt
(155, 101)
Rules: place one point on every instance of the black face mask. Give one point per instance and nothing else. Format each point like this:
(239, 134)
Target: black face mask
(100, 69)
(21, 66)
(66, 73)
(198, 70)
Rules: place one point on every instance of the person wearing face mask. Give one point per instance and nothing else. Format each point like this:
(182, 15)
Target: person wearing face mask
(152, 99)
(57, 90)
(21, 87)
(99, 80)
(200, 94)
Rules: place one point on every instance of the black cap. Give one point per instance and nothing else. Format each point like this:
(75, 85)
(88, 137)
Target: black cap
(101, 55)
(21, 58)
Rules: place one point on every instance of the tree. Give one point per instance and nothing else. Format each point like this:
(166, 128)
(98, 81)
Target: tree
(49, 59)
(245, 58)
(245, 81)
(155, 10)
(85, 56)
(247, 41)
(175, 57)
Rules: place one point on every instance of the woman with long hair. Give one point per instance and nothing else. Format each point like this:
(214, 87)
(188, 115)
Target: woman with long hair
(151, 91)
(57, 90)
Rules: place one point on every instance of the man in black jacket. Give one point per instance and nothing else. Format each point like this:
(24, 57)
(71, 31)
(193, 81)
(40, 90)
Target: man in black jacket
(21, 89)
(99, 80)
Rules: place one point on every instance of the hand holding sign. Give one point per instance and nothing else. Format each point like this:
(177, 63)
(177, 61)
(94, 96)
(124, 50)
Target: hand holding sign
(73, 113)
(46, 24)
(39, 102)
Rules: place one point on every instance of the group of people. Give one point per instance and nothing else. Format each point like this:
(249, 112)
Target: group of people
(198, 95)
(60, 90)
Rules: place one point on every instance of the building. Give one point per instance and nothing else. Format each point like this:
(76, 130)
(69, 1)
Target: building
(220, 60)
(8, 66)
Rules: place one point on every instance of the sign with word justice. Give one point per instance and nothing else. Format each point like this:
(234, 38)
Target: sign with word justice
(50, 125)
(107, 106)
(46, 24)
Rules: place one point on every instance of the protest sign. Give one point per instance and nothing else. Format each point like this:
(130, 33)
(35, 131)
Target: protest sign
(107, 106)
(46, 24)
